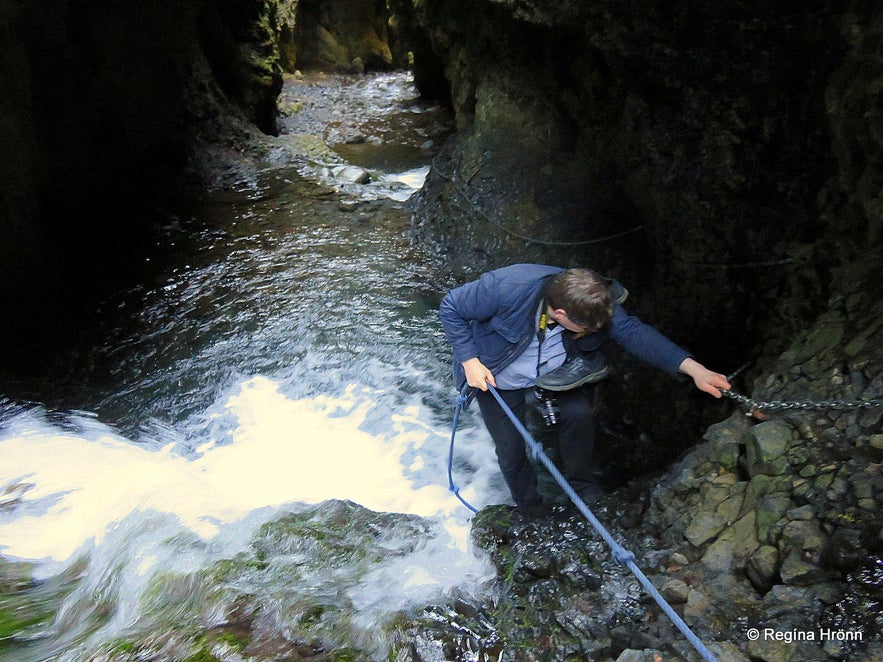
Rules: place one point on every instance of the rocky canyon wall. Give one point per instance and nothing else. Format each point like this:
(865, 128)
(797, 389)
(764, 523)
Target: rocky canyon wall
(100, 104)
(721, 160)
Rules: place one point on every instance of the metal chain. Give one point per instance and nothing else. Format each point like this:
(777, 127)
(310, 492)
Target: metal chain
(806, 405)
(780, 405)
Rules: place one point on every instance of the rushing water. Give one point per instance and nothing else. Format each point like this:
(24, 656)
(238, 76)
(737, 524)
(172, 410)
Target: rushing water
(287, 351)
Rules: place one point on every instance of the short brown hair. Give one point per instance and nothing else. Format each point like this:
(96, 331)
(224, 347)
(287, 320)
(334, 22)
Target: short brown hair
(583, 295)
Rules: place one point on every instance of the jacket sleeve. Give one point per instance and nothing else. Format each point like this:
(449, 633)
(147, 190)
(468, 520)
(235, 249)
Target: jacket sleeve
(645, 342)
(473, 302)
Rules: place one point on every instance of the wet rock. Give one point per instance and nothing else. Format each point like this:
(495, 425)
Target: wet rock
(845, 549)
(763, 567)
(578, 574)
(679, 559)
(804, 512)
(634, 655)
(731, 505)
(705, 527)
(803, 535)
(866, 484)
(771, 508)
(798, 572)
(675, 591)
(697, 606)
(826, 335)
(766, 447)
(838, 487)
(803, 492)
(349, 205)
(730, 551)
(727, 652)
(344, 36)
(352, 174)
(725, 440)
(772, 651)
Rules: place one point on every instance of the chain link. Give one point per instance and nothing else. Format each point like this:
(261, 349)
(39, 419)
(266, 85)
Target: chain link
(807, 405)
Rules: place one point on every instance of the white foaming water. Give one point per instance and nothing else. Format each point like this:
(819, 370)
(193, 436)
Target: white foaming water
(97, 493)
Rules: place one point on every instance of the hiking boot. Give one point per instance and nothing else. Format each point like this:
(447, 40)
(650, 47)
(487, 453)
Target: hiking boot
(575, 372)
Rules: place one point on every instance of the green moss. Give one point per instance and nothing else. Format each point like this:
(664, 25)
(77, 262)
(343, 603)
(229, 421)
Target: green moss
(202, 656)
(20, 605)
(507, 563)
(292, 108)
(123, 646)
(237, 643)
(16, 617)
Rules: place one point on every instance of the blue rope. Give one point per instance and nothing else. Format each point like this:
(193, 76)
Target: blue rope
(462, 399)
(620, 553)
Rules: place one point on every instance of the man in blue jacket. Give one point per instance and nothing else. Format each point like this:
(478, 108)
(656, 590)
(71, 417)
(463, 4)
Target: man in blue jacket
(529, 325)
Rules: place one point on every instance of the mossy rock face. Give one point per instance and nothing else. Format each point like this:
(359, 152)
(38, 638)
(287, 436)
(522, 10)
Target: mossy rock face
(345, 36)
(25, 604)
(17, 615)
(766, 447)
(202, 656)
(336, 534)
(284, 595)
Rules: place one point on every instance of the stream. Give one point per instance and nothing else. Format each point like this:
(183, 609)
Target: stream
(283, 350)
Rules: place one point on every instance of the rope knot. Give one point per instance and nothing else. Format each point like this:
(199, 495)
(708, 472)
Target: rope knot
(464, 397)
(623, 556)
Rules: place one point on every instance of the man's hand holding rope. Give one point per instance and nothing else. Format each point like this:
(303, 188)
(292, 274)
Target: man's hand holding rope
(477, 374)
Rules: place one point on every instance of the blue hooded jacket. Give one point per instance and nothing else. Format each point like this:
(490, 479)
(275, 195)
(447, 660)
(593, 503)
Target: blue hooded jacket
(494, 318)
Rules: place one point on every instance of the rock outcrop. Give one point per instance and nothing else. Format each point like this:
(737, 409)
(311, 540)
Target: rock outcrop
(343, 35)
